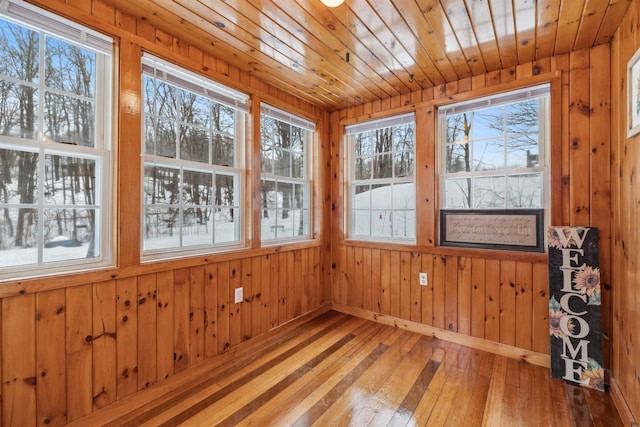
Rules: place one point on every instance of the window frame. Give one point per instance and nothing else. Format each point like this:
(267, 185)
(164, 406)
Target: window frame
(177, 76)
(307, 181)
(543, 91)
(351, 181)
(47, 24)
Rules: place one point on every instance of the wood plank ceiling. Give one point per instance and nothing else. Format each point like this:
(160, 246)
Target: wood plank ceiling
(365, 50)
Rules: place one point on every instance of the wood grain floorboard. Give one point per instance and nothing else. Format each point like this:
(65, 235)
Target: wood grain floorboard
(339, 370)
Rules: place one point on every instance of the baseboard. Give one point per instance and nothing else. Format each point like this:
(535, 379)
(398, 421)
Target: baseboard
(532, 357)
(621, 404)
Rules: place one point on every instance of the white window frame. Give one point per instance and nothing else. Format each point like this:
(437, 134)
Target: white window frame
(306, 181)
(183, 79)
(543, 94)
(49, 24)
(352, 182)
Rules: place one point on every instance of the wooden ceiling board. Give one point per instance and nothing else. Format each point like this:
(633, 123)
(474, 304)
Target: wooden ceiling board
(482, 26)
(547, 16)
(504, 28)
(568, 24)
(456, 11)
(524, 12)
(372, 50)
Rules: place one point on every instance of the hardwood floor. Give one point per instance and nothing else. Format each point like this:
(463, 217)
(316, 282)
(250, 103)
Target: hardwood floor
(340, 370)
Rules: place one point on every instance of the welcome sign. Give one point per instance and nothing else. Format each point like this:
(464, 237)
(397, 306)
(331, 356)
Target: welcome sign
(575, 317)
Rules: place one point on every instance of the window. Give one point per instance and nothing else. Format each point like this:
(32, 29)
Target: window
(55, 130)
(194, 131)
(494, 151)
(285, 202)
(381, 156)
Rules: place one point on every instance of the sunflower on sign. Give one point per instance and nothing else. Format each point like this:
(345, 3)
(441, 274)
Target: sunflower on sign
(555, 315)
(588, 281)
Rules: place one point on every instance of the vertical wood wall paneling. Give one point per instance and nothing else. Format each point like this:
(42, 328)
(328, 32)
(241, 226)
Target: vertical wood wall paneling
(181, 336)
(147, 333)
(246, 307)
(524, 304)
(600, 136)
(579, 115)
(127, 337)
(79, 349)
(416, 289)
(165, 324)
(540, 331)
(385, 282)
(19, 360)
(492, 300)
(439, 266)
(224, 306)
(394, 283)
(358, 286)
(478, 290)
(426, 297)
(451, 293)
(282, 281)
(257, 297)
(235, 309)
(464, 295)
(196, 315)
(104, 344)
(508, 302)
(367, 296)
(51, 370)
(626, 221)
(405, 285)
(210, 310)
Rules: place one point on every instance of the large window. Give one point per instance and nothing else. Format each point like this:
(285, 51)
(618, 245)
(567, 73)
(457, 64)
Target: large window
(285, 202)
(194, 132)
(494, 152)
(381, 156)
(55, 126)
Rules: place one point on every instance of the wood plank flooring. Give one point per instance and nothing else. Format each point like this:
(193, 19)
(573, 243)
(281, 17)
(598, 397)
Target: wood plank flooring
(340, 370)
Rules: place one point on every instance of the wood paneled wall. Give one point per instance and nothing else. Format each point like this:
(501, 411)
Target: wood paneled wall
(75, 343)
(626, 225)
(498, 296)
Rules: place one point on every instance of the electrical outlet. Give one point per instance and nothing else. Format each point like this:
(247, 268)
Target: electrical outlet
(423, 279)
(238, 295)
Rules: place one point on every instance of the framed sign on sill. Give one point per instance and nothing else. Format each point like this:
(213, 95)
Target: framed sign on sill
(510, 229)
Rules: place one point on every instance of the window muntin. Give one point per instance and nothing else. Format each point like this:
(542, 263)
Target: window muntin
(55, 87)
(192, 154)
(285, 186)
(494, 151)
(382, 179)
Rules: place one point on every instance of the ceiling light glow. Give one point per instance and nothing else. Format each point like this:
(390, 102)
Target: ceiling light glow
(332, 3)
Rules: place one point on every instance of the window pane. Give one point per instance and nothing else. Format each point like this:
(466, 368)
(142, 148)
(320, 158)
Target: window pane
(403, 196)
(361, 222)
(363, 168)
(69, 180)
(523, 117)
(270, 224)
(21, 110)
(403, 221)
(523, 151)
(194, 144)
(70, 68)
(488, 154)
(194, 109)
(297, 165)
(403, 163)
(19, 172)
(224, 119)
(282, 163)
(68, 234)
(227, 225)
(161, 228)
(488, 123)
(457, 193)
(69, 120)
(363, 144)
(223, 150)
(457, 158)
(197, 188)
(382, 223)
(226, 187)
(196, 229)
(489, 192)
(161, 185)
(19, 245)
(524, 191)
(381, 196)
(165, 101)
(165, 143)
(19, 52)
(362, 197)
(382, 166)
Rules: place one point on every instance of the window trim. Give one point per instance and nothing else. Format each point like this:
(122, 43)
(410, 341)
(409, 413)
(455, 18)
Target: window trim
(537, 89)
(180, 77)
(351, 182)
(49, 24)
(308, 181)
